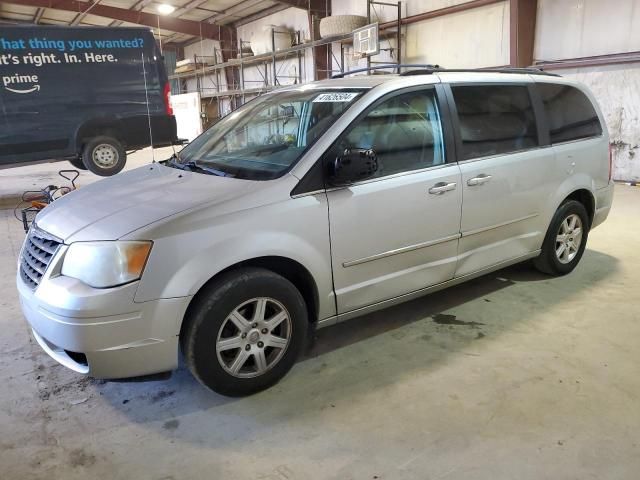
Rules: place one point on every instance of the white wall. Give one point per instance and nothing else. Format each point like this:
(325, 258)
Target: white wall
(473, 38)
(582, 28)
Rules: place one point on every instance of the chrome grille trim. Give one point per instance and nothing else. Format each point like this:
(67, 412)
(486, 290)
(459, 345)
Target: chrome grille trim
(38, 250)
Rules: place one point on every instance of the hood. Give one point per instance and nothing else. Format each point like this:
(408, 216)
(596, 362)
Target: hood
(111, 208)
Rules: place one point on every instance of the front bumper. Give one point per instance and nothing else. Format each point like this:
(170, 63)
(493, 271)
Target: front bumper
(102, 332)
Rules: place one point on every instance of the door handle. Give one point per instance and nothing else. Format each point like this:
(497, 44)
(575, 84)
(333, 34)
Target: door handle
(479, 180)
(441, 187)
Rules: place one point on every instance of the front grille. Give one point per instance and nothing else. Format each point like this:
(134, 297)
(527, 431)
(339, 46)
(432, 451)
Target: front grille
(37, 252)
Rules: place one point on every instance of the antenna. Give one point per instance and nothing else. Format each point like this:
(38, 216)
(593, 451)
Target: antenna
(146, 94)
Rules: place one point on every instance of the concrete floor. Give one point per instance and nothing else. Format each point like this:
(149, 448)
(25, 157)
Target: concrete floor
(514, 375)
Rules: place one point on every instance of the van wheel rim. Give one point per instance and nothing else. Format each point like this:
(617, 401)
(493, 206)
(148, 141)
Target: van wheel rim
(569, 239)
(254, 337)
(105, 155)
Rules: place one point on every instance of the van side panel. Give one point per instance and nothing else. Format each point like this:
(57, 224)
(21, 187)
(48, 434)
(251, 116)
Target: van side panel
(60, 86)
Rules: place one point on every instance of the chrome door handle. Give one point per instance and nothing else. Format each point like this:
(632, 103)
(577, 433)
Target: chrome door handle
(441, 187)
(479, 180)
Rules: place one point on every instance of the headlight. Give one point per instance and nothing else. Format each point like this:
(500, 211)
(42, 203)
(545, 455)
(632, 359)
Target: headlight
(106, 264)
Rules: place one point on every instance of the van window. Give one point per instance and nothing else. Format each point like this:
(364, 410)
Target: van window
(494, 119)
(570, 114)
(404, 131)
(268, 135)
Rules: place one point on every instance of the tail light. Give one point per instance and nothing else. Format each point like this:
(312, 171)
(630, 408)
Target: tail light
(167, 99)
(610, 161)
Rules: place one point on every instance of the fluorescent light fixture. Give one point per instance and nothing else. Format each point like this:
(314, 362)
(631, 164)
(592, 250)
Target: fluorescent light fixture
(166, 9)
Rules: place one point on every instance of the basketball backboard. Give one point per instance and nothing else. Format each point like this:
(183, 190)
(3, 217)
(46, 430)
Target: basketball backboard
(366, 41)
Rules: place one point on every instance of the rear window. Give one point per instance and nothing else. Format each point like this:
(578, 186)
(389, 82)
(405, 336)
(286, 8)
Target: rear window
(570, 114)
(494, 119)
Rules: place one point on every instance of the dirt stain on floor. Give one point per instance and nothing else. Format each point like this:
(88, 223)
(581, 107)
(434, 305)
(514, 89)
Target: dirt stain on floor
(444, 319)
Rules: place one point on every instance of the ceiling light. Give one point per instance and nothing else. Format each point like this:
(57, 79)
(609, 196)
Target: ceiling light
(166, 9)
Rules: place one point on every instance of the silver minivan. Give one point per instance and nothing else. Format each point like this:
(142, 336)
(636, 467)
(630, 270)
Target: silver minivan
(308, 206)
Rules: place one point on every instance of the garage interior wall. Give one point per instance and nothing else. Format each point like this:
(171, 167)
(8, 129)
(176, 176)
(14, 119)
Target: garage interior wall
(480, 37)
(473, 38)
(583, 28)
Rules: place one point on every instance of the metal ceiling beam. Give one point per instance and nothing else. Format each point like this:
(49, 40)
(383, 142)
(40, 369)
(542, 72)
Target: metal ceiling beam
(188, 27)
(313, 6)
(260, 14)
(79, 17)
(38, 16)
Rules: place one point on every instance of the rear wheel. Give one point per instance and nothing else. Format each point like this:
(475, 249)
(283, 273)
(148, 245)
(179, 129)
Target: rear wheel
(77, 163)
(244, 332)
(104, 156)
(565, 241)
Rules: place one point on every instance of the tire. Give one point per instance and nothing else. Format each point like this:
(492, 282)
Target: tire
(554, 259)
(212, 340)
(340, 25)
(77, 163)
(104, 156)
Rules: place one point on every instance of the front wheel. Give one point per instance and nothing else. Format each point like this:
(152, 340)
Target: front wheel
(565, 241)
(244, 332)
(104, 156)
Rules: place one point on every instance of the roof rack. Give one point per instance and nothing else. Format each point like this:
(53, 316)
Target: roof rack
(431, 69)
(382, 67)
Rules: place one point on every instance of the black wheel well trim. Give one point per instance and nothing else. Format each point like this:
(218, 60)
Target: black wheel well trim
(286, 267)
(100, 127)
(585, 197)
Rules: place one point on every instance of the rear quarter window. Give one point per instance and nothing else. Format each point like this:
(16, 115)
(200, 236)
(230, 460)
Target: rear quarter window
(570, 114)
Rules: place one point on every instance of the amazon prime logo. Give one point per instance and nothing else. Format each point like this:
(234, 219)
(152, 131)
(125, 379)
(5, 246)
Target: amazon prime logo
(21, 83)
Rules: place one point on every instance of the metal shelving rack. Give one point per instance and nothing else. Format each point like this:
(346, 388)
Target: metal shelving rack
(267, 64)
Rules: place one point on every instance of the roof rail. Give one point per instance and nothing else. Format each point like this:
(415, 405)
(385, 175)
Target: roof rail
(528, 70)
(382, 67)
(429, 69)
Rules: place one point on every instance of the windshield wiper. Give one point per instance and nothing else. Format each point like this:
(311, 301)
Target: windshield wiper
(193, 166)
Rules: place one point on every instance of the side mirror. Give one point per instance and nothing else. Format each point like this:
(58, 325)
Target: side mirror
(352, 165)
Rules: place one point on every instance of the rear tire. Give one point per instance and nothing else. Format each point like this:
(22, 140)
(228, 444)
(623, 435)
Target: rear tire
(565, 240)
(77, 163)
(244, 331)
(104, 156)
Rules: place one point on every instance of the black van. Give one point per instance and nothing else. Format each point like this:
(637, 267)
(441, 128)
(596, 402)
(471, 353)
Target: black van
(84, 94)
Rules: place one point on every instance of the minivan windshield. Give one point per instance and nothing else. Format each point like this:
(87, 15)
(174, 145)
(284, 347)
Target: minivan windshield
(267, 136)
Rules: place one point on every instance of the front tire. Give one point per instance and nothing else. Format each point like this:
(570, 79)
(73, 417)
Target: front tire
(565, 241)
(244, 332)
(104, 156)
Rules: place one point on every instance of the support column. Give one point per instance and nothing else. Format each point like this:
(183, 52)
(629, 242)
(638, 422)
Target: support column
(522, 25)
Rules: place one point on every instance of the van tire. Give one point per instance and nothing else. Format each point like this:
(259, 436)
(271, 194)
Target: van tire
(77, 163)
(104, 156)
(571, 211)
(209, 322)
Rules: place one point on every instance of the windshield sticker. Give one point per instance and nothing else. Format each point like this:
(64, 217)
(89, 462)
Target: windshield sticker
(336, 97)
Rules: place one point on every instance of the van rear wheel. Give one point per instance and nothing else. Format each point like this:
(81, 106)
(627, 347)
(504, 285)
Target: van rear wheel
(104, 156)
(565, 241)
(77, 163)
(244, 331)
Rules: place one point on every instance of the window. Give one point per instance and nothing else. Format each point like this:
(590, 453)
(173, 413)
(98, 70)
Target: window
(494, 119)
(268, 135)
(404, 131)
(569, 112)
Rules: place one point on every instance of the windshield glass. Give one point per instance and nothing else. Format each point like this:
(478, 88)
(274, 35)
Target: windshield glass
(267, 136)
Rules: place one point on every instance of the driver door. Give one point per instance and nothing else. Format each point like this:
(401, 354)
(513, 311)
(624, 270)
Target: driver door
(398, 231)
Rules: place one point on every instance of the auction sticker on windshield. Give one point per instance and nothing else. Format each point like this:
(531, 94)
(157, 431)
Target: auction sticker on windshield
(336, 97)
